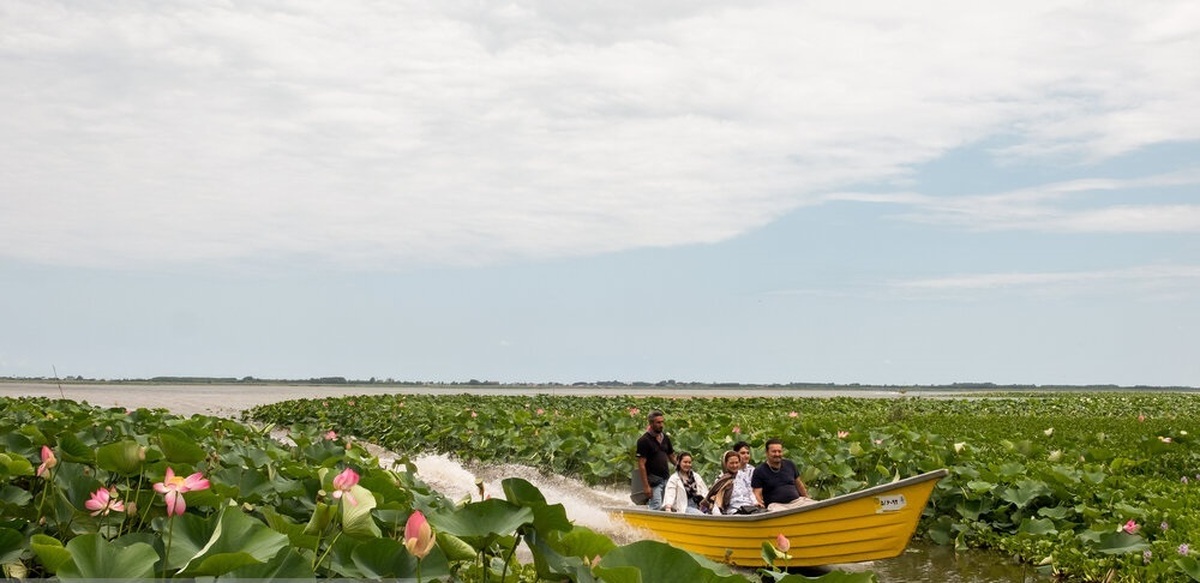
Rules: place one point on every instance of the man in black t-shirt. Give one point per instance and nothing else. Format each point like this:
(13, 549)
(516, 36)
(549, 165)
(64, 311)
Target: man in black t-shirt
(655, 456)
(776, 482)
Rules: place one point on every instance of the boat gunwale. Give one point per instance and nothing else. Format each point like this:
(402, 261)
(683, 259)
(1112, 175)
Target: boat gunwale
(934, 475)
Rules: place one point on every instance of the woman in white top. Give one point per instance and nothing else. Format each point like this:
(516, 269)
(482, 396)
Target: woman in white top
(742, 500)
(685, 488)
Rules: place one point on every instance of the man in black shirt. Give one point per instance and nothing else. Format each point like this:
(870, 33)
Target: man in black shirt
(776, 482)
(655, 456)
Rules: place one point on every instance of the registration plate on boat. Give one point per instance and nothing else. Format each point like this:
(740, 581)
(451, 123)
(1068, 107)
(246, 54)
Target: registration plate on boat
(889, 503)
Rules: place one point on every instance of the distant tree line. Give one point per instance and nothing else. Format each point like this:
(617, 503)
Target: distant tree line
(700, 385)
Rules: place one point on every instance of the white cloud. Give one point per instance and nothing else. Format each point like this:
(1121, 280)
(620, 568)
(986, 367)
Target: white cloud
(1148, 281)
(1065, 207)
(379, 135)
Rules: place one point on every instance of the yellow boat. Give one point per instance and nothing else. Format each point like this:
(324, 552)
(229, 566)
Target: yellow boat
(875, 523)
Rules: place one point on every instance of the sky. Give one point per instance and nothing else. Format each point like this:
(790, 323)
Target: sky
(543, 191)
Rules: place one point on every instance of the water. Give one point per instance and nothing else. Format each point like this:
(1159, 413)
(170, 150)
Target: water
(920, 563)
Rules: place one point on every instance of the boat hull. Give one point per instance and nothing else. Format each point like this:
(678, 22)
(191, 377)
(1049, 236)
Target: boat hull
(867, 525)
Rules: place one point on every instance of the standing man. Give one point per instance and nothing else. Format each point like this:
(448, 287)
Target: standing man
(776, 482)
(655, 456)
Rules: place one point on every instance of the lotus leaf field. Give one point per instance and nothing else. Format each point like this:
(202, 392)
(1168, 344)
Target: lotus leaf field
(1082, 486)
(91, 493)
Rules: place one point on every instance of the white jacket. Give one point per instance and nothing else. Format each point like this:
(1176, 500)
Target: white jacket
(675, 495)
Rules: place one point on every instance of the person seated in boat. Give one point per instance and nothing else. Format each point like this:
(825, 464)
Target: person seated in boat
(655, 455)
(742, 500)
(720, 495)
(776, 482)
(685, 489)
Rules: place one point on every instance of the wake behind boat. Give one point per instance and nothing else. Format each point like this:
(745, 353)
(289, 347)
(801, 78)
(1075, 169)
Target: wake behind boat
(867, 525)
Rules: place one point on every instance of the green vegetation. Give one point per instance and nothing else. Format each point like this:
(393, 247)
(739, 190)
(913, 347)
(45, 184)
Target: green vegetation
(1088, 486)
(90, 493)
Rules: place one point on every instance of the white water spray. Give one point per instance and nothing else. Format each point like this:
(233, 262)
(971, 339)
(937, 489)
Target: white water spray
(584, 504)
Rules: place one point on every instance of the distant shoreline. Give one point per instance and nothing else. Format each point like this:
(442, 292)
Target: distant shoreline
(231, 399)
(341, 382)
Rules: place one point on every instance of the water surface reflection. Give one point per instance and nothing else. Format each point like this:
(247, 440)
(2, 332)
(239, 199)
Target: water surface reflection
(941, 564)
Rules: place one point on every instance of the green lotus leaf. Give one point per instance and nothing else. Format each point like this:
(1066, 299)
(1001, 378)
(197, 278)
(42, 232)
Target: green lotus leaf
(1189, 566)
(661, 562)
(49, 551)
(383, 558)
(942, 530)
(1009, 470)
(980, 486)
(1119, 543)
(188, 533)
(831, 577)
(243, 482)
(483, 519)
(1037, 526)
(356, 518)
(1057, 512)
(24, 439)
(341, 557)
(73, 449)
(546, 517)
(287, 565)
(11, 545)
(237, 540)
(620, 574)
(583, 542)
(178, 448)
(93, 557)
(122, 457)
(15, 496)
(14, 465)
(285, 525)
(455, 549)
(1025, 492)
(550, 564)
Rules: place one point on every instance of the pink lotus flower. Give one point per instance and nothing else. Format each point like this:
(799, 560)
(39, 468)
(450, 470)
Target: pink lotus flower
(1141, 417)
(331, 435)
(344, 482)
(737, 428)
(48, 461)
(843, 434)
(1130, 527)
(103, 501)
(173, 487)
(793, 414)
(782, 543)
(1184, 549)
(633, 411)
(540, 411)
(474, 414)
(418, 535)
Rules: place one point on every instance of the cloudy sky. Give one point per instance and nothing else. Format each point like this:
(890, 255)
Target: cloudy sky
(758, 191)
